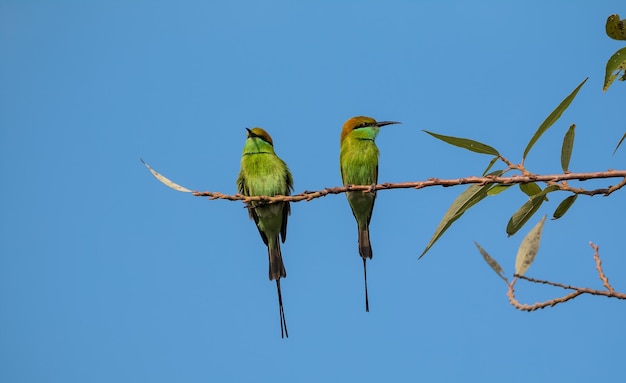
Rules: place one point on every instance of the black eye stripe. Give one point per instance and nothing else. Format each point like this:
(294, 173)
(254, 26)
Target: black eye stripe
(364, 125)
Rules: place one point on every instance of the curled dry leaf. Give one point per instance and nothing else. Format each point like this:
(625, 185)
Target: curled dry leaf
(615, 69)
(164, 180)
(616, 28)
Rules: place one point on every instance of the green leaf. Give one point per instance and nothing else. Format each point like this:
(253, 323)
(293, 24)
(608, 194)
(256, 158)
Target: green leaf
(164, 180)
(498, 188)
(491, 163)
(492, 262)
(528, 248)
(616, 66)
(616, 28)
(564, 206)
(530, 189)
(568, 146)
(470, 197)
(619, 143)
(465, 143)
(551, 119)
(521, 216)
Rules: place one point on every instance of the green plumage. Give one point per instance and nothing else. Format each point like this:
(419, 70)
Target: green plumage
(263, 173)
(359, 166)
(358, 160)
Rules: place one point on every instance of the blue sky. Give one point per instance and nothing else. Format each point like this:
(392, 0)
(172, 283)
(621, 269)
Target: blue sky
(107, 275)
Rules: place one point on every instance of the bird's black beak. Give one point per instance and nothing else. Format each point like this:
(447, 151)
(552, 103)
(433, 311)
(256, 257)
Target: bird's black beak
(383, 123)
(250, 134)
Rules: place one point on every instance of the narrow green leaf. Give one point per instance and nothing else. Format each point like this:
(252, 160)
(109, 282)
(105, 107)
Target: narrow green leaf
(551, 119)
(497, 189)
(616, 66)
(619, 143)
(564, 206)
(491, 163)
(616, 28)
(466, 143)
(521, 216)
(470, 197)
(164, 180)
(491, 262)
(528, 248)
(568, 146)
(530, 189)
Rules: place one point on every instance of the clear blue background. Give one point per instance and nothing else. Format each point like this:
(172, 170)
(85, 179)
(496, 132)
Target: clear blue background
(108, 276)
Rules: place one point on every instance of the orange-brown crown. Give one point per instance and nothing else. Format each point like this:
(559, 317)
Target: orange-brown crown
(356, 122)
(260, 133)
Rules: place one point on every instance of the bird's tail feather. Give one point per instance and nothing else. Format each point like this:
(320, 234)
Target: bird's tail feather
(277, 268)
(283, 322)
(367, 303)
(365, 249)
(277, 271)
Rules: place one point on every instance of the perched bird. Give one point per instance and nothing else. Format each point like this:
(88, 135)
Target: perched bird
(358, 159)
(263, 173)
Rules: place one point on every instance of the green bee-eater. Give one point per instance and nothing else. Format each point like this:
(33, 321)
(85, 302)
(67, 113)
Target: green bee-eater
(358, 159)
(263, 173)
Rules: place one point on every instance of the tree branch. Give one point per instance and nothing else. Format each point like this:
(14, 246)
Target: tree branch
(559, 180)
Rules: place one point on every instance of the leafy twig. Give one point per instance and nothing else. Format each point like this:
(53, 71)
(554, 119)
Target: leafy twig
(515, 179)
(609, 292)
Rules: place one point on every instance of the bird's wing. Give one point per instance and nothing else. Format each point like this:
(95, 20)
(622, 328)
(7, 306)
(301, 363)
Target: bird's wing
(243, 189)
(255, 217)
(369, 216)
(286, 206)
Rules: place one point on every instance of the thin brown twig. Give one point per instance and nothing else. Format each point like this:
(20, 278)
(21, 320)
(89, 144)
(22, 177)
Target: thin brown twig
(509, 163)
(603, 278)
(616, 186)
(550, 283)
(609, 292)
(537, 305)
